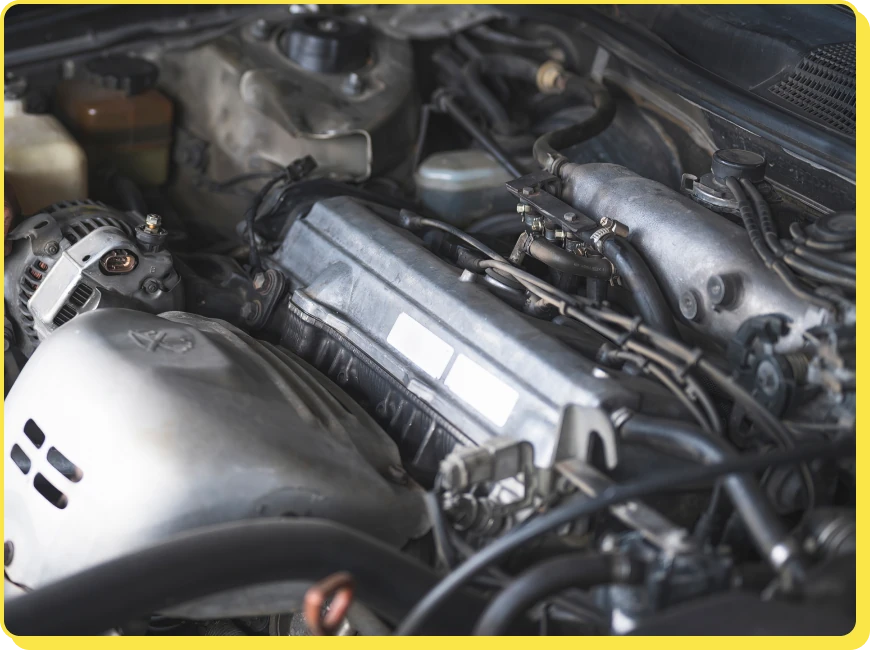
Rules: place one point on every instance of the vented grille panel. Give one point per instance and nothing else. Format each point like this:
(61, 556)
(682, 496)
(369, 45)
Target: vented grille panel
(823, 85)
(76, 301)
(81, 228)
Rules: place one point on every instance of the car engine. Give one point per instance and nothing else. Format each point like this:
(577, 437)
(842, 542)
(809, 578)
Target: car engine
(447, 320)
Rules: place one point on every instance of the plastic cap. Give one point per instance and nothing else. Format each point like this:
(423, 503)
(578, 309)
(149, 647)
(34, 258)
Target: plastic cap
(739, 163)
(129, 74)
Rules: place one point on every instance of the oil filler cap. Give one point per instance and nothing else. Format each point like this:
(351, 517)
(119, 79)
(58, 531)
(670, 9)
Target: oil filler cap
(738, 163)
(130, 74)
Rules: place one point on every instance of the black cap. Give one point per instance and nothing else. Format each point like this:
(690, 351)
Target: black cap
(327, 44)
(738, 163)
(129, 74)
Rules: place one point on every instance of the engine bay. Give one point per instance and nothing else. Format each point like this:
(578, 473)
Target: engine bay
(410, 319)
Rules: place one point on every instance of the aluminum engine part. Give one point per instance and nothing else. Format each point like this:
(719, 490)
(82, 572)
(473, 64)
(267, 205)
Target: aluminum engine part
(75, 257)
(692, 252)
(474, 360)
(256, 107)
(200, 424)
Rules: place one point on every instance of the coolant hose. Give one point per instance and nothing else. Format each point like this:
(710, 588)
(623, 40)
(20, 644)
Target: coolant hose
(547, 147)
(582, 570)
(637, 277)
(561, 260)
(229, 556)
(674, 436)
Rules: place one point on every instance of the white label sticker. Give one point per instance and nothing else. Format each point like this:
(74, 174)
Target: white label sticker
(422, 347)
(493, 398)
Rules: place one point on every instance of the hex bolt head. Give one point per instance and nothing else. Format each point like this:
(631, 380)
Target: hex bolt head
(569, 216)
(52, 248)
(259, 281)
(528, 191)
(689, 305)
(151, 286)
(153, 221)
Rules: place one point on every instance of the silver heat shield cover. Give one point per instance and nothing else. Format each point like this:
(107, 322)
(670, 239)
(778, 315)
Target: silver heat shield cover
(146, 426)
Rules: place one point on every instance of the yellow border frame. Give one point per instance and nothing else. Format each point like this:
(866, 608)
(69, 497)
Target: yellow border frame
(855, 639)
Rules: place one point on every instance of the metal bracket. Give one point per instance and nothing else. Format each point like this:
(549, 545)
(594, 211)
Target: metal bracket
(538, 190)
(655, 527)
(42, 231)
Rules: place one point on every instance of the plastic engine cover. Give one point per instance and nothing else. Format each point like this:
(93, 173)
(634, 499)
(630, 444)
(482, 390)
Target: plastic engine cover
(125, 428)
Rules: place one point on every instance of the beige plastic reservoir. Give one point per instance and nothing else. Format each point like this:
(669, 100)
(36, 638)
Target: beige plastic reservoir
(43, 162)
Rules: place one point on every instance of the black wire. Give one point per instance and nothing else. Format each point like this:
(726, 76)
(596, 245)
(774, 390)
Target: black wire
(293, 172)
(584, 506)
(443, 545)
(804, 266)
(414, 221)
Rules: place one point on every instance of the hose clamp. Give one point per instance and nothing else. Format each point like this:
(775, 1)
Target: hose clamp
(600, 236)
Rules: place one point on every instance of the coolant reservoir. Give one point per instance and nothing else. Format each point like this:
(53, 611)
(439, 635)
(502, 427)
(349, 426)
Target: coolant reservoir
(43, 162)
(120, 118)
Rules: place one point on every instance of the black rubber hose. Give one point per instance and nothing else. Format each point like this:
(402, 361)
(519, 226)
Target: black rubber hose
(768, 228)
(447, 104)
(583, 506)
(486, 33)
(801, 237)
(639, 280)
(847, 270)
(762, 209)
(413, 221)
(580, 570)
(682, 438)
(771, 261)
(219, 558)
(502, 223)
(747, 215)
(809, 269)
(498, 65)
(562, 260)
(547, 147)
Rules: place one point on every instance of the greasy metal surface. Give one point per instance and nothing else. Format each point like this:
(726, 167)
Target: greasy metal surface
(194, 423)
(257, 108)
(358, 275)
(685, 245)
